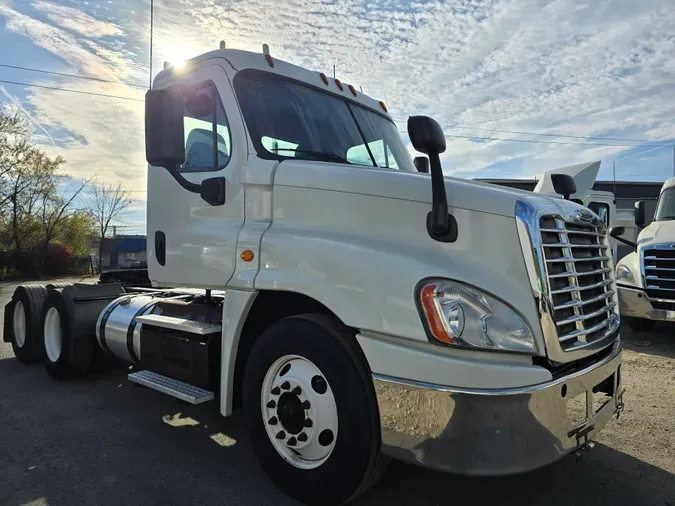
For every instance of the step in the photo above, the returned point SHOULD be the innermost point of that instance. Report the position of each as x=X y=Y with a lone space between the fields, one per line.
x=175 y=323
x=178 y=389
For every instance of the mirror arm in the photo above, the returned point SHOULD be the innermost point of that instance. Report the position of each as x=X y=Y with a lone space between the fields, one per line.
x=626 y=241
x=441 y=225
x=212 y=190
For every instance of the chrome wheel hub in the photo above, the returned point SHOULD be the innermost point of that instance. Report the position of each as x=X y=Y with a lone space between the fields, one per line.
x=299 y=412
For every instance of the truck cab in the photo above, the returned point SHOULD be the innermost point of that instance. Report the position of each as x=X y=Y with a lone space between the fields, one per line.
x=354 y=307
x=646 y=276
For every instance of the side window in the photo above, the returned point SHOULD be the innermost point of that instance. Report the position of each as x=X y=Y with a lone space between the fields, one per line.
x=381 y=153
x=602 y=210
x=207 y=133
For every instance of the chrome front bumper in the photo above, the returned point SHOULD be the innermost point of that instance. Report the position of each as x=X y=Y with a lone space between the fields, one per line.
x=634 y=302
x=494 y=432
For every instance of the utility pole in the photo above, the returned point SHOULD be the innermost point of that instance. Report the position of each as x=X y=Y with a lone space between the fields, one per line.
x=152 y=19
x=614 y=173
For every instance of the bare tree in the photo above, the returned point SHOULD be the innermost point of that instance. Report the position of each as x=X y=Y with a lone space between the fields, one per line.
x=107 y=203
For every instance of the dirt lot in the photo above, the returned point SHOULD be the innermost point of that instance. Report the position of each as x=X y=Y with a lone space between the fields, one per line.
x=99 y=440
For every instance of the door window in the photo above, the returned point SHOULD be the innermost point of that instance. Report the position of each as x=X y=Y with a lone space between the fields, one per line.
x=207 y=133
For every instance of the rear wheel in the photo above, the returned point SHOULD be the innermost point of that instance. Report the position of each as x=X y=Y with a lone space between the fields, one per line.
x=66 y=356
x=311 y=411
x=27 y=304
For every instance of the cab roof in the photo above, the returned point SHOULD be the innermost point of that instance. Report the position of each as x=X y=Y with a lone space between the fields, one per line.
x=241 y=60
x=670 y=182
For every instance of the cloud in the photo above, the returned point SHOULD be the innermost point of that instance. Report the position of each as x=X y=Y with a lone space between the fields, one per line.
x=77 y=21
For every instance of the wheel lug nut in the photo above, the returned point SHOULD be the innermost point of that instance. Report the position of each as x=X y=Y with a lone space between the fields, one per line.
x=297 y=390
x=271 y=405
x=281 y=435
x=273 y=421
x=308 y=422
x=302 y=437
x=285 y=385
x=306 y=405
x=276 y=391
x=292 y=442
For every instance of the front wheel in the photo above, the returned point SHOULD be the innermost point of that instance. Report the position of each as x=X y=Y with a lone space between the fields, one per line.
x=311 y=411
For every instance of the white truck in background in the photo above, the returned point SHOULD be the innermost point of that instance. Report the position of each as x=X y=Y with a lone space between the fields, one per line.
x=646 y=276
x=356 y=308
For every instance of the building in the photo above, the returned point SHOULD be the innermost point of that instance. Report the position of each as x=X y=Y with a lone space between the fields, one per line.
x=124 y=252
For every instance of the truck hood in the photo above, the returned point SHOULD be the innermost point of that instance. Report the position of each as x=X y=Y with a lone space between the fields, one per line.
x=657 y=232
x=413 y=186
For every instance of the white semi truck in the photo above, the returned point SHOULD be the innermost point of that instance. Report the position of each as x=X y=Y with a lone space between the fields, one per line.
x=646 y=276
x=357 y=309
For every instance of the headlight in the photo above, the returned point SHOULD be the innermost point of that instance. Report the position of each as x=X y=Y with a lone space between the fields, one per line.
x=460 y=315
x=623 y=273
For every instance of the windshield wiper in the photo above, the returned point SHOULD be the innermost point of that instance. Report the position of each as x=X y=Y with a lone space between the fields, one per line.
x=328 y=157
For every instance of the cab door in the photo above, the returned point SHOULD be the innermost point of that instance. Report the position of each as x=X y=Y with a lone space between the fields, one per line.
x=191 y=242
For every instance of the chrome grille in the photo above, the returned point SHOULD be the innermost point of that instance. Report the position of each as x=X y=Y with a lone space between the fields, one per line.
x=579 y=280
x=659 y=271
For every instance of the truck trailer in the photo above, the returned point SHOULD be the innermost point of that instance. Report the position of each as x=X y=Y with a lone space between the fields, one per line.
x=355 y=308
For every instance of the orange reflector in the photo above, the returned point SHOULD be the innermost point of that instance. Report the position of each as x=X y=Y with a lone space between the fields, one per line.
x=339 y=83
x=324 y=78
x=428 y=296
x=352 y=89
x=269 y=59
x=247 y=255
x=383 y=106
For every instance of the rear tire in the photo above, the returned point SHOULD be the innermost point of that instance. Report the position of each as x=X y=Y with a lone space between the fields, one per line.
x=65 y=356
x=335 y=456
x=27 y=305
x=641 y=324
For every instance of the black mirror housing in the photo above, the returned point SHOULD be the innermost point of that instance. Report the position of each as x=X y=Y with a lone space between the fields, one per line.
x=640 y=218
x=617 y=231
x=421 y=164
x=563 y=184
x=426 y=135
x=164 y=135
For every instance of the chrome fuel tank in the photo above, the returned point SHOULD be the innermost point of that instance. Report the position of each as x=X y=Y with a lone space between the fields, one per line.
x=117 y=332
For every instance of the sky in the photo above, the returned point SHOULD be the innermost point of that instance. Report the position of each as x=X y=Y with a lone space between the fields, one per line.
x=519 y=86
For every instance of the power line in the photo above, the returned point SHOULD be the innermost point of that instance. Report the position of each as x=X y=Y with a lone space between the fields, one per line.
x=71 y=91
x=64 y=74
x=645 y=141
x=532 y=141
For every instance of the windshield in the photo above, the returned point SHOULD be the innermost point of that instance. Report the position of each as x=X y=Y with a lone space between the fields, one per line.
x=665 y=209
x=290 y=120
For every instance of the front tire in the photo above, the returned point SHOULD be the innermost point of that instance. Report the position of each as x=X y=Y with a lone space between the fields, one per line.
x=312 y=412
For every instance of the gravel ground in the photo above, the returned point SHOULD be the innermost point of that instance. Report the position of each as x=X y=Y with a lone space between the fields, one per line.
x=99 y=440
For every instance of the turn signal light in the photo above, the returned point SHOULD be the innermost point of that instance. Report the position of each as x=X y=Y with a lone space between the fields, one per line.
x=247 y=255
x=429 y=300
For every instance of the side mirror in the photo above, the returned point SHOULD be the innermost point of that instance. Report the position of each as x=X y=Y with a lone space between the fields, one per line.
x=640 y=213
x=164 y=136
x=564 y=185
x=617 y=232
x=421 y=164
x=427 y=137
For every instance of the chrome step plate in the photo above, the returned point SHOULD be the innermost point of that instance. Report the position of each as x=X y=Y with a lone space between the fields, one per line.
x=181 y=324
x=178 y=389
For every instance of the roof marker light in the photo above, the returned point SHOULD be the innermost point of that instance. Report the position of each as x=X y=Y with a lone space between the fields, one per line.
x=324 y=78
x=222 y=44
x=339 y=84
x=266 y=52
x=352 y=89
x=383 y=106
